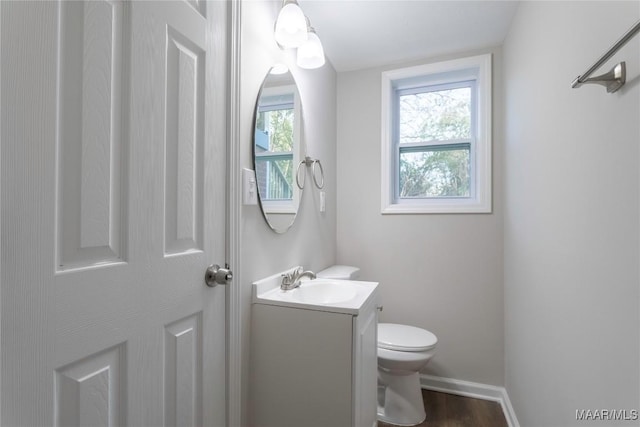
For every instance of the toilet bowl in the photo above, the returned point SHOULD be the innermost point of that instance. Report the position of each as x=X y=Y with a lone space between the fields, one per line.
x=402 y=352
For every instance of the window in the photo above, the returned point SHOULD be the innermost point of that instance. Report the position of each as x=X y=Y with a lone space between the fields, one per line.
x=436 y=138
x=276 y=131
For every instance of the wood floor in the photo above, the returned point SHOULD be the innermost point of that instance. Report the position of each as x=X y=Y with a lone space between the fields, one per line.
x=449 y=410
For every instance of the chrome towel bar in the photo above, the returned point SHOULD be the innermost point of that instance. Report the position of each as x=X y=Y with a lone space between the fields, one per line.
x=616 y=77
x=308 y=161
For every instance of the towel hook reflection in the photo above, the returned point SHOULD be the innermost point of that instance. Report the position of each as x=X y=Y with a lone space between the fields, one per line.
x=308 y=161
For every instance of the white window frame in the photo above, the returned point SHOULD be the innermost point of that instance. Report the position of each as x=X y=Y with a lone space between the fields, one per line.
x=476 y=68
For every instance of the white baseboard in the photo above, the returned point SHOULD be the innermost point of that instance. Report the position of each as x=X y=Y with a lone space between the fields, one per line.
x=475 y=390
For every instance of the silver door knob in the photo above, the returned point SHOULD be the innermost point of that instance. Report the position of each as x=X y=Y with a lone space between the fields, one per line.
x=217 y=275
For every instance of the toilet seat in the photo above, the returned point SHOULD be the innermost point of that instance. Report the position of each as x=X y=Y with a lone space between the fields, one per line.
x=396 y=337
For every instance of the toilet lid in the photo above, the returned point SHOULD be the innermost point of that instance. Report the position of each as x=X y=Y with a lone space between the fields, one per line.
x=392 y=336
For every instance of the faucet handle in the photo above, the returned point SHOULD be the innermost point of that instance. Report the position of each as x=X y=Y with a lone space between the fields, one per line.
x=289 y=278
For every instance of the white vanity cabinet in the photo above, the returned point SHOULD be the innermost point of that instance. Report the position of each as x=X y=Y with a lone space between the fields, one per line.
x=314 y=366
x=365 y=367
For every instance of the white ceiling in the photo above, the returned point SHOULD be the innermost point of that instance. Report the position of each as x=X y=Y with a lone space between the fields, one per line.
x=360 y=34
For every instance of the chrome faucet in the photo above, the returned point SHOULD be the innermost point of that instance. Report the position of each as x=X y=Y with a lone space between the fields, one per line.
x=292 y=280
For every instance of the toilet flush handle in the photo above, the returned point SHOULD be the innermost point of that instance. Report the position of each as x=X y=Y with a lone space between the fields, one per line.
x=380 y=307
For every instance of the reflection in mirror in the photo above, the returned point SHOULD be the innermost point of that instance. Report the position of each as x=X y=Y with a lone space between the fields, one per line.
x=276 y=149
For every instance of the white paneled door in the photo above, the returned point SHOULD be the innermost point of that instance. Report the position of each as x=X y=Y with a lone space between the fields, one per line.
x=112 y=175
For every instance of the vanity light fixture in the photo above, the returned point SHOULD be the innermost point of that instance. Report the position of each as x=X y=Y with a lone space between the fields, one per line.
x=311 y=53
x=293 y=30
x=291 y=25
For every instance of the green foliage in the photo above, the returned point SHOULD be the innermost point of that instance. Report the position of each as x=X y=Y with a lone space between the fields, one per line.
x=281 y=130
x=435 y=171
x=434 y=174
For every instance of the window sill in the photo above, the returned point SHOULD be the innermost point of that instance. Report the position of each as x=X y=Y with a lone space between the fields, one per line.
x=286 y=208
x=451 y=206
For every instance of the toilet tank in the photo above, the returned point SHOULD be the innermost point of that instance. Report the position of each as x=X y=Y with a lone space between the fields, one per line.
x=342 y=272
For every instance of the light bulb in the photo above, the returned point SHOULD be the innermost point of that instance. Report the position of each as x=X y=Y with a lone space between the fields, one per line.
x=311 y=54
x=291 y=25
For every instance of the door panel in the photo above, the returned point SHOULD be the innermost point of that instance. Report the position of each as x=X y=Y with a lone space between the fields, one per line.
x=91 y=141
x=112 y=150
x=183 y=372
x=92 y=391
x=184 y=134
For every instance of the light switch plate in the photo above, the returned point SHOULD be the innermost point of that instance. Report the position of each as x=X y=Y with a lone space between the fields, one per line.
x=249 y=187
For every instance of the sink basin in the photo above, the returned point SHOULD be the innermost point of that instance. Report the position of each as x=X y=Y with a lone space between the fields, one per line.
x=322 y=294
x=322 y=291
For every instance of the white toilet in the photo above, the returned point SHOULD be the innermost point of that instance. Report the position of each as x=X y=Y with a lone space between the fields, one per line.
x=402 y=352
x=339 y=272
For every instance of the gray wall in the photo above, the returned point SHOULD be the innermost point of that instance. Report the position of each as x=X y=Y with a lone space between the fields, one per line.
x=571 y=227
x=439 y=272
x=311 y=240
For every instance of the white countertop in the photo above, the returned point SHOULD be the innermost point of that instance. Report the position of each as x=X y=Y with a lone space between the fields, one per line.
x=267 y=291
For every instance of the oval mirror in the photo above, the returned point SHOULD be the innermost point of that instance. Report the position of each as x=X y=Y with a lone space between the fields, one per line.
x=277 y=146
